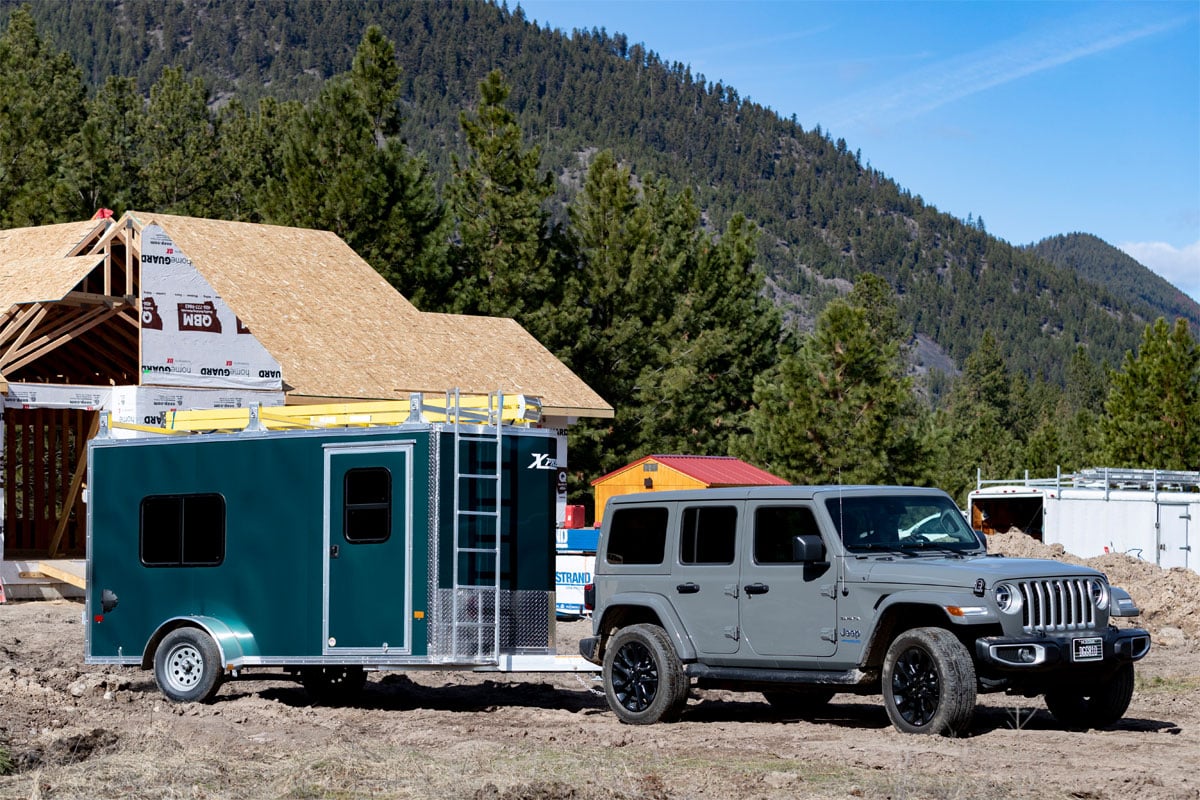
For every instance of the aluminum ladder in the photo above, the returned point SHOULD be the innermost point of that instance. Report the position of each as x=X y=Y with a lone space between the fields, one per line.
x=475 y=603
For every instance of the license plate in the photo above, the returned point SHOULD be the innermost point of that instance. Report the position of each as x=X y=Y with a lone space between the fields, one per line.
x=1091 y=649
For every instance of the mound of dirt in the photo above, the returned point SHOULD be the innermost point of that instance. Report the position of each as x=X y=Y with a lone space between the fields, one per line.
x=1169 y=598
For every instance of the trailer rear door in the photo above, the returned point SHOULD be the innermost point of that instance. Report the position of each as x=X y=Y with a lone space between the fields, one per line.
x=368 y=549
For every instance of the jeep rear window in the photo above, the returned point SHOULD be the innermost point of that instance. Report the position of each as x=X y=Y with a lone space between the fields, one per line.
x=637 y=536
x=708 y=535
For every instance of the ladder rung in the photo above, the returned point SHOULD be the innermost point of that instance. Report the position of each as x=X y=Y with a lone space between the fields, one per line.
x=476 y=477
x=488 y=550
x=466 y=513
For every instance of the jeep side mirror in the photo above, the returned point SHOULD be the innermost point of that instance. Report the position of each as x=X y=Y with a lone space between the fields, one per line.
x=807 y=548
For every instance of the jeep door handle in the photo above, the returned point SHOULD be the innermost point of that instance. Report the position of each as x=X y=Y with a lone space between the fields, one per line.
x=757 y=588
x=688 y=588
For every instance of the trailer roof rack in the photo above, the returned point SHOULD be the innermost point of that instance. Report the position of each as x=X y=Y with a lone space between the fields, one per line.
x=1109 y=478
x=519 y=410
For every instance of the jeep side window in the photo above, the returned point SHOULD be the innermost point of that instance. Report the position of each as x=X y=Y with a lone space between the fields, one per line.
x=776 y=527
x=637 y=536
x=708 y=535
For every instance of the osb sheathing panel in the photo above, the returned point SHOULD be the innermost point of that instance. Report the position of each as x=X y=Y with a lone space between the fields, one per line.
x=45 y=279
x=338 y=329
x=17 y=244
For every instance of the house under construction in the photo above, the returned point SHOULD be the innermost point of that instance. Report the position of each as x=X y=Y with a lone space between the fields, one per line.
x=151 y=313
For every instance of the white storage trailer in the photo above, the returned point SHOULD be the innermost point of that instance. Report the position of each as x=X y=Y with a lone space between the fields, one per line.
x=1144 y=513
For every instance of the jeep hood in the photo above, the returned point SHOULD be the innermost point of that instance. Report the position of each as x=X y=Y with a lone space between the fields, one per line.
x=924 y=571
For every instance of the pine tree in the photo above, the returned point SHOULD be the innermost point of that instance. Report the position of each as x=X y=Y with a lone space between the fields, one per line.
x=501 y=261
x=976 y=428
x=104 y=171
x=839 y=410
x=41 y=108
x=336 y=175
x=1152 y=415
x=178 y=167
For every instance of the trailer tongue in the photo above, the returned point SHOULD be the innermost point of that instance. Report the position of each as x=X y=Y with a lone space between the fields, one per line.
x=323 y=542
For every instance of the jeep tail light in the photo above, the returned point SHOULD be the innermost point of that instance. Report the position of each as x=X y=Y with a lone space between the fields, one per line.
x=589 y=596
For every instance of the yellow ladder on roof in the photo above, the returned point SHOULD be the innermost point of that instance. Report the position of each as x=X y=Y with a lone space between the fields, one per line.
x=516 y=410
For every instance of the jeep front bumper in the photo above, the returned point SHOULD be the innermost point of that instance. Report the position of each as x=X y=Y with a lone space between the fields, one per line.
x=1062 y=652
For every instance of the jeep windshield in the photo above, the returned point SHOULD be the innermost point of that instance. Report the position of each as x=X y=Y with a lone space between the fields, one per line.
x=901 y=524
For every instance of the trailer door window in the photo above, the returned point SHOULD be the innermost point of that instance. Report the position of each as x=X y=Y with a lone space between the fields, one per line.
x=183 y=530
x=367 y=500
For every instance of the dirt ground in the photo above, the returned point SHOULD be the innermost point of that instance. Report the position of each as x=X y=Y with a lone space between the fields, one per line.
x=72 y=731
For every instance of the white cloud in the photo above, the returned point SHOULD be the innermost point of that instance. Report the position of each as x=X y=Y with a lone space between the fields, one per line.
x=1179 y=265
x=918 y=92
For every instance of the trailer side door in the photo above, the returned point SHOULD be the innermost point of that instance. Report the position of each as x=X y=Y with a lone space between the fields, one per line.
x=368 y=592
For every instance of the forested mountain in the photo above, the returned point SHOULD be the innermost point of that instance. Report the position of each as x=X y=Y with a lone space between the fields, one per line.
x=825 y=217
x=729 y=281
x=1098 y=262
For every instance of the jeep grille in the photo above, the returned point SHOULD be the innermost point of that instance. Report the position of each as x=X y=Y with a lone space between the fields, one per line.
x=1057 y=604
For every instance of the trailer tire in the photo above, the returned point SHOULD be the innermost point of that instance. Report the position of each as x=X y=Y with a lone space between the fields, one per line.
x=1099 y=707
x=643 y=677
x=187 y=666
x=333 y=685
x=929 y=683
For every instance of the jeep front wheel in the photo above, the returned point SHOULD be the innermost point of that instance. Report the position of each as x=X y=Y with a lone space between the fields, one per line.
x=1099 y=707
x=643 y=678
x=929 y=683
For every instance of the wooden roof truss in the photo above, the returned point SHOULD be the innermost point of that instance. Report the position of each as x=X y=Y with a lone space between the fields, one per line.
x=90 y=335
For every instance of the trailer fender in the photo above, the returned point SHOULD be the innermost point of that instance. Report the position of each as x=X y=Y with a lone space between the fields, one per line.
x=632 y=605
x=235 y=643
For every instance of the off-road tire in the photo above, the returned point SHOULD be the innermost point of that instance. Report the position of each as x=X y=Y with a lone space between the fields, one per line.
x=799 y=702
x=929 y=683
x=333 y=685
x=187 y=666
x=1098 y=707
x=643 y=678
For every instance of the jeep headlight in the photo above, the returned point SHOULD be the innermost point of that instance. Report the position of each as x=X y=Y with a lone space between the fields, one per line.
x=1099 y=591
x=1008 y=598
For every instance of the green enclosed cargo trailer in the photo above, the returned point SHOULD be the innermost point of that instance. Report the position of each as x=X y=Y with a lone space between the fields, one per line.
x=322 y=554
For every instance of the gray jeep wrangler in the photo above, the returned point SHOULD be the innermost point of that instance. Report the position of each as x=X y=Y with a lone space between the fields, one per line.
x=803 y=592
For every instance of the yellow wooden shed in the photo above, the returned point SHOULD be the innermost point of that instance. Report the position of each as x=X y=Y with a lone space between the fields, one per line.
x=662 y=472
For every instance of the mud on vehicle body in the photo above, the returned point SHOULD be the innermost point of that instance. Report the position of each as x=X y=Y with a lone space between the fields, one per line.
x=804 y=592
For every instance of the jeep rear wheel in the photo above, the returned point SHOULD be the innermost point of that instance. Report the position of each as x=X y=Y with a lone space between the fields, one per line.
x=643 y=678
x=929 y=683
x=1099 y=707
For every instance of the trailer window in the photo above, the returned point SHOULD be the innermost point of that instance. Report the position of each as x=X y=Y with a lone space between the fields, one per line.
x=638 y=536
x=367 y=505
x=183 y=530
x=708 y=535
x=776 y=527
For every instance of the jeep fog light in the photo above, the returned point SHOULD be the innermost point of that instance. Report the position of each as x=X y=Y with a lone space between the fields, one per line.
x=1008 y=598
x=1100 y=594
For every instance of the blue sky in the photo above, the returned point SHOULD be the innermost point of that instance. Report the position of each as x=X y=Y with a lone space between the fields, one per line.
x=1040 y=117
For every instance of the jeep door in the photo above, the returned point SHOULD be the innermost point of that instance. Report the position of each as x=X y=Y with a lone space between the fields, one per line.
x=788 y=608
x=704 y=585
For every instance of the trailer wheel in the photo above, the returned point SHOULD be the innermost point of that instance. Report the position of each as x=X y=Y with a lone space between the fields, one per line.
x=333 y=685
x=643 y=678
x=187 y=666
x=1099 y=707
x=798 y=702
x=929 y=683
